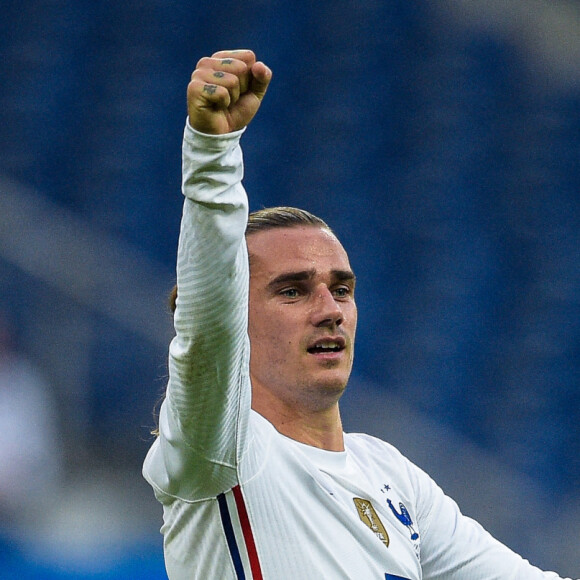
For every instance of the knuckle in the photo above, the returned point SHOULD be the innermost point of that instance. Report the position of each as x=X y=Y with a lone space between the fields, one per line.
x=196 y=74
x=203 y=62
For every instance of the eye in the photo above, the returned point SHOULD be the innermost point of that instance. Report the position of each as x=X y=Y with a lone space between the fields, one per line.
x=342 y=291
x=290 y=293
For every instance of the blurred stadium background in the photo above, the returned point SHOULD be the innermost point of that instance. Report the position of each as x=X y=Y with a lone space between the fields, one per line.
x=442 y=142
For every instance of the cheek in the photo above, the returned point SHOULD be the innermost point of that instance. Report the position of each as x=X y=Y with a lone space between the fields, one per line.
x=264 y=340
x=271 y=346
x=350 y=318
x=269 y=358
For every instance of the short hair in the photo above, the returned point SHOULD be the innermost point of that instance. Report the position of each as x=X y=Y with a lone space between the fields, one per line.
x=282 y=217
x=270 y=218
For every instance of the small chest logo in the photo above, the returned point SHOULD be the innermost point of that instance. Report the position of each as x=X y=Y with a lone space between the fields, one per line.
x=404 y=517
x=369 y=517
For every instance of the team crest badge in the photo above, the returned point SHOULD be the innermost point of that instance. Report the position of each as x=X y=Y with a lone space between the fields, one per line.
x=370 y=518
x=404 y=517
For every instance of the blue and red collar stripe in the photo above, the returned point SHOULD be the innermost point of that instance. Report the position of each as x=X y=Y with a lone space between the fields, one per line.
x=239 y=535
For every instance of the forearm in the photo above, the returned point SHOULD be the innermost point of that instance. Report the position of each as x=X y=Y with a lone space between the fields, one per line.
x=455 y=547
x=212 y=280
x=212 y=267
x=203 y=418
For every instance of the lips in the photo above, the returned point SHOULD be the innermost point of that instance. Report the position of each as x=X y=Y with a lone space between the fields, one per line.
x=327 y=345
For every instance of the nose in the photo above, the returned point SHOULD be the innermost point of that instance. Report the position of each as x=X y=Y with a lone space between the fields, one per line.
x=326 y=310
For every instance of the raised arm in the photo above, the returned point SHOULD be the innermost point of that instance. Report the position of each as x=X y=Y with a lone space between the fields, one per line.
x=202 y=423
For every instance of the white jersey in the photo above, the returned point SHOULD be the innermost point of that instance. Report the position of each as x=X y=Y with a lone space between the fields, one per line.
x=242 y=501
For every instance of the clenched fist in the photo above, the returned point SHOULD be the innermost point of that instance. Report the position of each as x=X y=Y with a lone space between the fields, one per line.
x=226 y=91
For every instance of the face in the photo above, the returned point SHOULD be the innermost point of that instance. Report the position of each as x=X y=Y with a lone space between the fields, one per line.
x=302 y=317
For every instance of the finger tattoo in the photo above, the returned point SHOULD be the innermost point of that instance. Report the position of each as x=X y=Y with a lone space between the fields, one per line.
x=219 y=74
x=227 y=60
x=209 y=89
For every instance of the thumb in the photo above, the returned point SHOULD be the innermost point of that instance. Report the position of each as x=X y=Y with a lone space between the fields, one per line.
x=244 y=110
x=260 y=79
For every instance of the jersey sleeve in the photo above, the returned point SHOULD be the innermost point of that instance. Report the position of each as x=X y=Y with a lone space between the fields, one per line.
x=456 y=547
x=204 y=416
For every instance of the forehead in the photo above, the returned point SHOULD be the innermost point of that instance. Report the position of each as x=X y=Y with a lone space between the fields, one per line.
x=295 y=248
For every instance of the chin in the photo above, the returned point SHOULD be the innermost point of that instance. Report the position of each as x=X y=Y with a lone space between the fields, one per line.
x=332 y=386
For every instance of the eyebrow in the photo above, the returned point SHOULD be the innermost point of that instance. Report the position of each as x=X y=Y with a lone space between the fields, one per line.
x=301 y=276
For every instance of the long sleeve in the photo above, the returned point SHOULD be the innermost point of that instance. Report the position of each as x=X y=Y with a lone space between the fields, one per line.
x=454 y=546
x=203 y=419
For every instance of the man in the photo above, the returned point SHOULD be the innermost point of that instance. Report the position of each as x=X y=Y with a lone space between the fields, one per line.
x=255 y=474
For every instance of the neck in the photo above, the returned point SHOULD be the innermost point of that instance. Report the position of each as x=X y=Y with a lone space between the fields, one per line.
x=320 y=428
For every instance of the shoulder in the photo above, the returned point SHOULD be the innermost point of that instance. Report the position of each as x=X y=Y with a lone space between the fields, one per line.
x=371 y=450
x=361 y=443
x=385 y=457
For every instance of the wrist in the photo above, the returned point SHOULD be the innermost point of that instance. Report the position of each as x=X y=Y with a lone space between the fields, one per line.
x=210 y=141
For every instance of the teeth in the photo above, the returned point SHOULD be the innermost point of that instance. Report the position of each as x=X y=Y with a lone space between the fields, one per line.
x=330 y=346
x=327 y=346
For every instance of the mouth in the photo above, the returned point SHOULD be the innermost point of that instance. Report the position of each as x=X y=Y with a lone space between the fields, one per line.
x=330 y=345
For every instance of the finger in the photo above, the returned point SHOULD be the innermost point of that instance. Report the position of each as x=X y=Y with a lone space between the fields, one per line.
x=244 y=55
x=229 y=57
x=229 y=64
x=229 y=81
x=202 y=95
x=260 y=79
x=249 y=102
